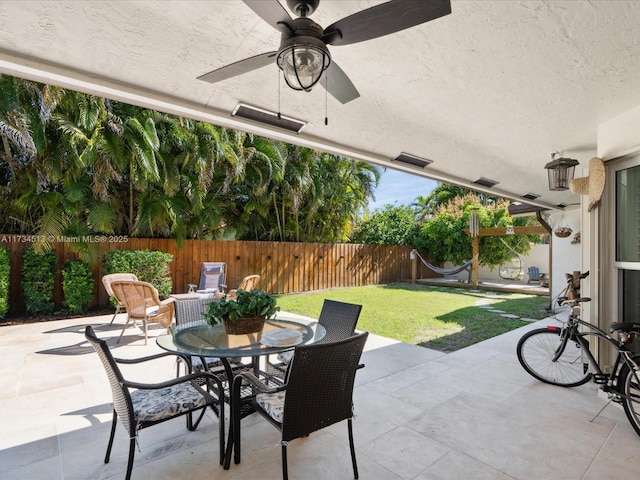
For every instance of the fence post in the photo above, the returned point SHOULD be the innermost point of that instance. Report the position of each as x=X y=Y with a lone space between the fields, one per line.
x=414 y=266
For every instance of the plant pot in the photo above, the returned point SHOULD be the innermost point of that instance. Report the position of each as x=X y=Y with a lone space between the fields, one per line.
x=243 y=325
x=563 y=232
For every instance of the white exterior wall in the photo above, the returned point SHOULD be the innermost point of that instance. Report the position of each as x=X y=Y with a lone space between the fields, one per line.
x=620 y=136
x=566 y=256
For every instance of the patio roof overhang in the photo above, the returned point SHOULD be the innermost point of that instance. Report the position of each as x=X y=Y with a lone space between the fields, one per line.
x=487 y=92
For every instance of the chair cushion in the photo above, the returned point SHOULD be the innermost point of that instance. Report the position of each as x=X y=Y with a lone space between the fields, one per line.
x=153 y=405
x=273 y=404
x=285 y=357
x=143 y=311
x=196 y=362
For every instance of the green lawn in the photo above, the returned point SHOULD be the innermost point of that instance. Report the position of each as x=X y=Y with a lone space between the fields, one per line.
x=441 y=318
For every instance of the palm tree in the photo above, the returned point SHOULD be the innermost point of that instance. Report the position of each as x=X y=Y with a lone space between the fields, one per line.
x=73 y=163
x=343 y=188
x=133 y=148
x=25 y=109
x=243 y=178
x=444 y=193
x=181 y=203
x=293 y=184
x=25 y=112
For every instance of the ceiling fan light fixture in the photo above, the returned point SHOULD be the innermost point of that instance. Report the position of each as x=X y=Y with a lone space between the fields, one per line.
x=303 y=61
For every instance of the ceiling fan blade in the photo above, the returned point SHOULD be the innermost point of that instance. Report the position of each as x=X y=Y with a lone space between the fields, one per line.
x=238 y=68
x=339 y=85
x=273 y=13
x=384 y=19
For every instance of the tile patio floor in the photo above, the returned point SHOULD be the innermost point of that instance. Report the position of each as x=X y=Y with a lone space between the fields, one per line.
x=421 y=414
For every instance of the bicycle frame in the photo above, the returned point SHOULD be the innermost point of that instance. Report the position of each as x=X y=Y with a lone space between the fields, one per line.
x=571 y=331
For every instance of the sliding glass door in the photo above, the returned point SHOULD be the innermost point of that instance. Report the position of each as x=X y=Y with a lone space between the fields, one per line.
x=627 y=241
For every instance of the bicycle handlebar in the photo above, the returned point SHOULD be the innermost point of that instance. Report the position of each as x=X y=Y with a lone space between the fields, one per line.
x=581 y=276
x=575 y=301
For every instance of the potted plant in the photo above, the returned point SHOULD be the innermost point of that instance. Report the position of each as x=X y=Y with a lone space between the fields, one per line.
x=246 y=313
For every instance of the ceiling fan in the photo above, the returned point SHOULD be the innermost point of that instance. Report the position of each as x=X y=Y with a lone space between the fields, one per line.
x=303 y=55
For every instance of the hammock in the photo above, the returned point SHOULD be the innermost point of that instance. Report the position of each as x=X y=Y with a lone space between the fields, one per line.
x=442 y=270
x=511 y=268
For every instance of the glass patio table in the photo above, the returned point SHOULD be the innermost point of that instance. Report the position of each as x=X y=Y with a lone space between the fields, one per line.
x=206 y=341
x=212 y=341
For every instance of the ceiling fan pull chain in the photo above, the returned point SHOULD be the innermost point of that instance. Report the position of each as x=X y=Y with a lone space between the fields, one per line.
x=326 y=102
x=279 y=116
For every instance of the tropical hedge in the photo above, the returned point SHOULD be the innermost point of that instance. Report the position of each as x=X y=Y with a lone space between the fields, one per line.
x=38 y=278
x=148 y=265
x=77 y=285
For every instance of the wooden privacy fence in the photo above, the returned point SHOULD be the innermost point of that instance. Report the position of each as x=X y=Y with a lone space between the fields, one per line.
x=284 y=267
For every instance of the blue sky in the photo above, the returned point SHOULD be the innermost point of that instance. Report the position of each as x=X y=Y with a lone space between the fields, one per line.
x=399 y=188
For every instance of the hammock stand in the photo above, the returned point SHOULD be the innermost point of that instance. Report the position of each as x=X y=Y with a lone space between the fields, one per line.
x=442 y=271
x=544 y=229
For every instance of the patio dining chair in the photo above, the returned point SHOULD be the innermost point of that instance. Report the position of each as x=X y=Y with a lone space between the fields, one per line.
x=142 y=302
x=189 y=313
x=339 y=320
x=318 y=393
x=116 y=277
x=142 y=405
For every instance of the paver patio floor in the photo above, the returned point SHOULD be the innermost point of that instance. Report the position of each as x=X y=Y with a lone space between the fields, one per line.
x=420 y=414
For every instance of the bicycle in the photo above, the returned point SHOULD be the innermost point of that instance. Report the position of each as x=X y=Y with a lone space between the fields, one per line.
x=560 y=355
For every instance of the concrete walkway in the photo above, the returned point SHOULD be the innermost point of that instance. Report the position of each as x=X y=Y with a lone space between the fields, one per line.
x=420 y=414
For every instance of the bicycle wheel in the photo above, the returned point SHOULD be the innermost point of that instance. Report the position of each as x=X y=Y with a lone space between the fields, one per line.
x=536 y=350
x=630 y=390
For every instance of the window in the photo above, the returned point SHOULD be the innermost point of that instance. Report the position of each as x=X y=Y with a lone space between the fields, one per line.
x=630 y=300
x=627 y=245
x=628 y=215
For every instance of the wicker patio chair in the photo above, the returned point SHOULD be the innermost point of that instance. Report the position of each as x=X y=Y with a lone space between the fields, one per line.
x=318 y=393
x=142 y=302
x=116 y=277
x=338 y=318
x=189 y=313
x=142 y=405
x=250 y=282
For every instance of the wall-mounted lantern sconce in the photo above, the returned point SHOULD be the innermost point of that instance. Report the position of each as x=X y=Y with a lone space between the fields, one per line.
x=560 y=171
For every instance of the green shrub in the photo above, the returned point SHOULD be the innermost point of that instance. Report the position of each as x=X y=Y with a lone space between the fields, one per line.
x=77 y=285
x=148 y=265
x=5 y=267
x=38 y=275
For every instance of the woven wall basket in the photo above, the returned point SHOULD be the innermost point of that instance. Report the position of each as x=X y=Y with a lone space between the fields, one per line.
x=243 y=325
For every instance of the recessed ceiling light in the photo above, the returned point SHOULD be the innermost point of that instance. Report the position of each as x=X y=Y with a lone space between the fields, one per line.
x=485 y=182
x=530 y=196
x=412 y=160
x=270 y=118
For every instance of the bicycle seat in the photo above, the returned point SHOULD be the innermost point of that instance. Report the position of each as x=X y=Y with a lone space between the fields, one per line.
x=625 y=327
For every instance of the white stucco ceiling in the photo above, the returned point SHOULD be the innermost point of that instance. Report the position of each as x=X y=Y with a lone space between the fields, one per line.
x=488 y=91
